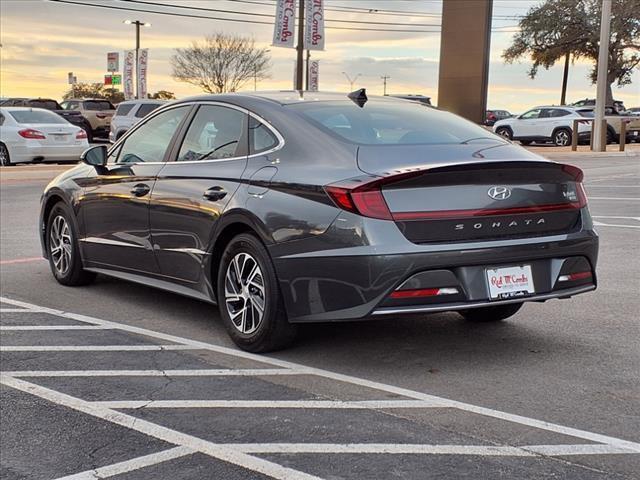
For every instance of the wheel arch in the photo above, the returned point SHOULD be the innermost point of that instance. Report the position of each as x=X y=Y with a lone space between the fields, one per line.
x=52 y=198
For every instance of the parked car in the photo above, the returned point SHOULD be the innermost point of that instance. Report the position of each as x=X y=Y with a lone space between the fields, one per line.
x=493 y=116
x=635 y=111
x=37 y=135
x=544 y=124
x=129 y=113
x=97 y=111
x=618 y=105
x=72 y=116
x=290 y=207
x=416 y=98
x=614 y=124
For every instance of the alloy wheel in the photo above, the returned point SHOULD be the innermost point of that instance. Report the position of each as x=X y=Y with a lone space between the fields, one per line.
x=562 y=138
x=245 y=297
x=504 y=132
x=4 y=156
x=60 y=247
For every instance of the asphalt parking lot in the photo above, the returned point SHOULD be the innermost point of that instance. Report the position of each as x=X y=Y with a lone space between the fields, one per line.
x=120 y=381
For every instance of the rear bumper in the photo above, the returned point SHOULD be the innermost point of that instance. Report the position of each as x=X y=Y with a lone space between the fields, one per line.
x=355 y=282
x=30 y=153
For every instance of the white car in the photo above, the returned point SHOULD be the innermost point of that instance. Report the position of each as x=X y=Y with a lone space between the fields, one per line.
x=36 y=135
x=545 y=124
x=130 y=112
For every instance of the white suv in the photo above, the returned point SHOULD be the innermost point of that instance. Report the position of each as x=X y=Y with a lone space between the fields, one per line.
x=544 y=124
x=129 y=113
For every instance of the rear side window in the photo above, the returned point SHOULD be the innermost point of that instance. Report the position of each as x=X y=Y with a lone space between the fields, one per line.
x=382 y=122
x=123 y=109
x=261 y=138
x=149 y=142
x=215 y=133
x=145 y=109
x=97 y=105
x=36 y=116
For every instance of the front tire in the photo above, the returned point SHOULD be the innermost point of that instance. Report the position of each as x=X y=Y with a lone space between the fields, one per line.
x=562 y=137
x=63 y=250
x=505 y=132
x=5 y=158
x=495 y=313
x=249 y=297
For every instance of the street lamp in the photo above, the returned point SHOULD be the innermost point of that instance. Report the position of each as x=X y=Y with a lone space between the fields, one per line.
x=352 y=81
x=138 y=24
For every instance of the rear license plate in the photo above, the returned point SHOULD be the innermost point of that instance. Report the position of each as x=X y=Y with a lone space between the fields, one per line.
x=59 y=137
x=510 y=282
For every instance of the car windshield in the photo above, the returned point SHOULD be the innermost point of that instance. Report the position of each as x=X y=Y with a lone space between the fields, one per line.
x=48 y=104
x=98 y=105
x=382 y=122
x=36 y=116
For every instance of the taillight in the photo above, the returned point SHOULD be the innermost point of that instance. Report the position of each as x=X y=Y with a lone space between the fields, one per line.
x=81 y=135
x=572 y=277
x=423 y=292
x=32 y=134
x=364 y=196
x=101 y=115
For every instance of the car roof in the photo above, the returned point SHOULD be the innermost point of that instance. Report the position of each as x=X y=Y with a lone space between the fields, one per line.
x=23 y=109
x=143 y=100
x=287 y=97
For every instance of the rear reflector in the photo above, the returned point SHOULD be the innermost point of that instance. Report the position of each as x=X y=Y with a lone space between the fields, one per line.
x=574 y=276
x=32 y=134
x=423 y=292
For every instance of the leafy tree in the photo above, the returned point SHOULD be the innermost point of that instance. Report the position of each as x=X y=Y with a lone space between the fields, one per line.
x=222 y=63
x=93 y=90
x=163 y=95
x=557 y=28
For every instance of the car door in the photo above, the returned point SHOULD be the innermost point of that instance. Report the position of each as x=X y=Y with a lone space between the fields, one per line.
x=115 y=203
x=193 y=189
x=526 y=124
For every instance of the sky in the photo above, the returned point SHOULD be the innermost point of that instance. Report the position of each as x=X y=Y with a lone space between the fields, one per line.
x=43 y=40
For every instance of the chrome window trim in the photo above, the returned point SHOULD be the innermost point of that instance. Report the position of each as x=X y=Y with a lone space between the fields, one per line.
x=280 y=138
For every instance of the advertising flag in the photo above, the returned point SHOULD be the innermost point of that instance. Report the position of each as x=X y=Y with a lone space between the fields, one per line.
x=284 y=28
x=113 y=62
x=127 y=74
x=143 y=63
x=314 y=25
x=314 y=75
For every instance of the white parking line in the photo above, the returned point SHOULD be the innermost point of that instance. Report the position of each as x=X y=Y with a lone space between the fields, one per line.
x=311 y=404
x=25 y=328
x=92 y=348
x=131 y=465
x=194 y=344
x=20 y=310
x=616 y=216
x=602 y=224
x=633 y=199
x=247 y=372
x=158 y=431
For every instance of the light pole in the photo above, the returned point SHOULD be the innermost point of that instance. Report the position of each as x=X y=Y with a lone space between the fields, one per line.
x=599 y=128
x=351 y=80
x=384 y=80
x=138 y=24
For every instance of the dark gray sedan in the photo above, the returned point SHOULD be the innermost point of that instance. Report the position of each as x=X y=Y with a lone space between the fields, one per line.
x=292 y=207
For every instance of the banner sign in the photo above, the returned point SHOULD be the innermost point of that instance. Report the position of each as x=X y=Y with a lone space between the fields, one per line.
x=314 y=75
x=113 y=62
x=127 y=74
x=284 y=28
x=314 y=25
x=71 y=78
x=143 y=63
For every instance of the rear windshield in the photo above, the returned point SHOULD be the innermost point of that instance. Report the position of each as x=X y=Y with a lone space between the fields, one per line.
x=123 y=109
x=36 y=116
x=48 y=104
x=146 y=108
x=382 y=122
x=98 y=105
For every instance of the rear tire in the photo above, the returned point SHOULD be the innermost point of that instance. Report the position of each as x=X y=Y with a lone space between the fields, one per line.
x=496 y=313
x=562 y=137
x=63 y=249
x=525 y=142
x=5 y=159
x=505 y=132
x=249 y=297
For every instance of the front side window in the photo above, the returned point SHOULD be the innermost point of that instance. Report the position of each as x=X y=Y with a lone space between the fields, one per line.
x=531 y=114
x=70 y=105
x=215 y=133
x=149 y=142
x=261 y=138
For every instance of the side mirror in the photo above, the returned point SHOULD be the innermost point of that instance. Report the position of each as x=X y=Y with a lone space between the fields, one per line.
x=96 y=156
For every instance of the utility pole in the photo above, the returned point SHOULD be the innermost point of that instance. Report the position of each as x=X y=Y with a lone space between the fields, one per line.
x=384 y=80
x=599 y=129
x=351 y=81
x=300 y=48
x=306 y=82
x=565 y=78
x=138 y=24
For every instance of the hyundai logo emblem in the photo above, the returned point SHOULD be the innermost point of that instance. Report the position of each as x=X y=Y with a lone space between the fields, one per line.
x=499 y=193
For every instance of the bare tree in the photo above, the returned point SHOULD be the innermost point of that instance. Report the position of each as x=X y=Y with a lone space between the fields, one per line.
x=222 y=63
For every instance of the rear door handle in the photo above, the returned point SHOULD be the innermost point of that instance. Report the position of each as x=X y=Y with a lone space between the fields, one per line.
x=140 y=190
x=214 y=194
